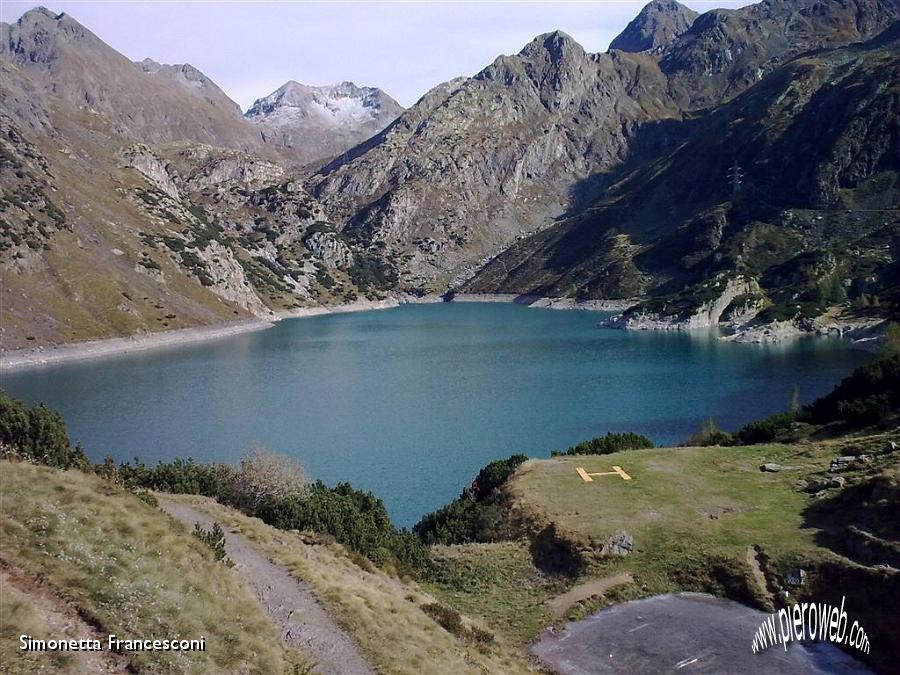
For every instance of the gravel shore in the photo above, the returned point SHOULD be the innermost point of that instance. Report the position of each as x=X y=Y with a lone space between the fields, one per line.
x=549 y=303
x=77 y=351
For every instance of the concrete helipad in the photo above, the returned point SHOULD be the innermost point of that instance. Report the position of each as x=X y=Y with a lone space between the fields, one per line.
x=680 y=633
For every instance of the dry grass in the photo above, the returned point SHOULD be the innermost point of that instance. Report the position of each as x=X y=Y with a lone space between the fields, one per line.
x=499 y=584
x=383 y=614
x=123 y=567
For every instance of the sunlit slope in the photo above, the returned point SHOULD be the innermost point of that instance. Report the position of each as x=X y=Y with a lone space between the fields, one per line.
x=82 y=558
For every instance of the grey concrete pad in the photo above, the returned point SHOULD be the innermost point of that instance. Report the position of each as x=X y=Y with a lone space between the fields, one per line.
x=681 y=633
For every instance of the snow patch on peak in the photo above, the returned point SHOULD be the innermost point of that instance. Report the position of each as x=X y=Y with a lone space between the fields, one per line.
x=321 y=122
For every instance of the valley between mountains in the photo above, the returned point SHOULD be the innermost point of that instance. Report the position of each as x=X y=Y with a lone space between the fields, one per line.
x=736 y=168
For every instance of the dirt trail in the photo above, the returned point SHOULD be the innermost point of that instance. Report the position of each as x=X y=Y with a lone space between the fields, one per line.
x=589 y=589
x=759 y=577
x=290 y=603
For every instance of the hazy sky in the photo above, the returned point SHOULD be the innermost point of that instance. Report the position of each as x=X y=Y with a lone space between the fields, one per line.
x=251 y=48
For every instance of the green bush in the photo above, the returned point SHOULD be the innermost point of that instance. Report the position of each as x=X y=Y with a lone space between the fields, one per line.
x=357 y=519
x=868 y=396
x=466 y=518
x=458 y=522
x=495 y=474
x=38 y=434
x=605 y=445
x=767 y=430
x=214 y=538
x=182 y=476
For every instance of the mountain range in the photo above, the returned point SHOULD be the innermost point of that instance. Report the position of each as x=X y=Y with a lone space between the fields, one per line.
x=734 y=166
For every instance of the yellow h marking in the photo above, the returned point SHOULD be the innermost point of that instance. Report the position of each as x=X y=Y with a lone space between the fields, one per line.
x=587 y=477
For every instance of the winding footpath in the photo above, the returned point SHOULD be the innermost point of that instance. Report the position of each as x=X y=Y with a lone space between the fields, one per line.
x=290 y=603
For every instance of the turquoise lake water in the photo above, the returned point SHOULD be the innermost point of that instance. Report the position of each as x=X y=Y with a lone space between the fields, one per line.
x=411 y=402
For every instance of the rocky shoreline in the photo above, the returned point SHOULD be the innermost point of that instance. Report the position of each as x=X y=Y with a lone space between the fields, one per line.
x=78 y=351
x=541 y=302
x=863 y=333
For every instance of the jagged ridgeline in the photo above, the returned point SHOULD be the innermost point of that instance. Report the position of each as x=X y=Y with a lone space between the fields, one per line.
x=736 y=165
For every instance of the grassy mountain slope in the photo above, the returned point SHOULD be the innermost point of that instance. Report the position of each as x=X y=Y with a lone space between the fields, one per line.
x=80 y=554
x=384 y=614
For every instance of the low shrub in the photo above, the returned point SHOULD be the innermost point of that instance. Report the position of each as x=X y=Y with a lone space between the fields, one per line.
x=215 y=539
x=181 y=476
x=708 y=434
x=767 y=430
x=451 y=621
x=37 y=434
x=605 y=445
x=465 y=519
x=263 y=477
x=357 y=519
x=867 y=396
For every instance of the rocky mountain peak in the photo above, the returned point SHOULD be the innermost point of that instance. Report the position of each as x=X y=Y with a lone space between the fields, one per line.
x=37 y=34
x=338 y=102
x=55 y=55
x=556 y=45
x=311 y=123
x=656 y=26
x=725 y=51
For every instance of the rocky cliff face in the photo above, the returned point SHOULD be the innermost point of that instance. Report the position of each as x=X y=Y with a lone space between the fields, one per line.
x=813 y=217
x=480 y=161
x=319 y=123
x=718 y=295
x=656 y=27
x=725 y=51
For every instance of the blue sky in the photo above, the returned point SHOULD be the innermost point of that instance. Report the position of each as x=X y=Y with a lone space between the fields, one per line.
x=404 y=47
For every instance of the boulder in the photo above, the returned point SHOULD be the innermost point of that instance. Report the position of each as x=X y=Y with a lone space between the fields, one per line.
x=816 y=485
x=620 y=544
x=841 y=463
x=795 y=577
x=771 y=467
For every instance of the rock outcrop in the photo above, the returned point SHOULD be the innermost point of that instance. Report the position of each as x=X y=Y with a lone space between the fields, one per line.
x=705 y=314
x=656 y=27
x=140 y=157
